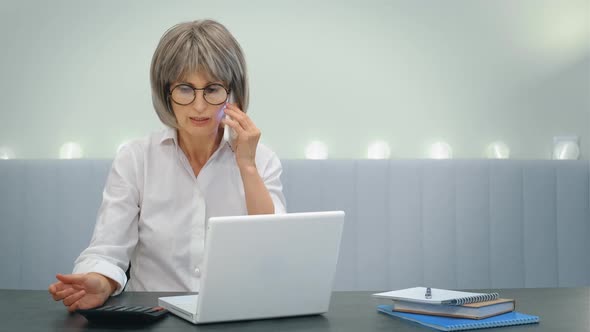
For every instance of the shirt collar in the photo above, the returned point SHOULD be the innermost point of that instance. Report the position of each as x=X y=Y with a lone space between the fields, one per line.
x=169 y=134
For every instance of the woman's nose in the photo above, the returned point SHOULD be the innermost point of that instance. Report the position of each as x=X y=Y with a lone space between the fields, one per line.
x=200 y=104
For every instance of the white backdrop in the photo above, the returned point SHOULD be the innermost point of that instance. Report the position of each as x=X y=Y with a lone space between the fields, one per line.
x=343 y=72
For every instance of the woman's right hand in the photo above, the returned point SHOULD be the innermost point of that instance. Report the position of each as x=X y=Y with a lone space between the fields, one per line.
x=82 y=291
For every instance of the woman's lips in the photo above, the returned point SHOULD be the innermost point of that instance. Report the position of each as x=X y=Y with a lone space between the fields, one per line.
x=199 y=121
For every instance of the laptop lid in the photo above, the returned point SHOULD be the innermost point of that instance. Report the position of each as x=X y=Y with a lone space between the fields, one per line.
x=265 y=266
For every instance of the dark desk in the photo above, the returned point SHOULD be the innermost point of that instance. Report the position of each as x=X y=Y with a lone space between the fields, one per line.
x=560 y=309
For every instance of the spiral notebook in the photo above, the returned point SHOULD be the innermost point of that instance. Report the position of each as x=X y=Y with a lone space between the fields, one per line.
x=459 y=324
x=438 y=296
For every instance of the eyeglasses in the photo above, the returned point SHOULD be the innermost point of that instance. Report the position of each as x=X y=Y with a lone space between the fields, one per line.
x=184 y=94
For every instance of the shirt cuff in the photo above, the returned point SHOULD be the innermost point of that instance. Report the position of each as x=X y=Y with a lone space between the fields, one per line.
x=106 y=269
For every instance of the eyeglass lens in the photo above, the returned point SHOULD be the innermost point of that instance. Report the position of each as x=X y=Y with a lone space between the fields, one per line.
x=214 y=94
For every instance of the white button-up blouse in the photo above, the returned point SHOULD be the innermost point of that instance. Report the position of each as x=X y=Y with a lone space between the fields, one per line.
x=154 y=211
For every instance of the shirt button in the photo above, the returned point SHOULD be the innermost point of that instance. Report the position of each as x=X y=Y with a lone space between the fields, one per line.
x=198 y=272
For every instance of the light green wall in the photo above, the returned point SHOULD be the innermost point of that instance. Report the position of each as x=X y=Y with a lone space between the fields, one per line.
x=407 y=72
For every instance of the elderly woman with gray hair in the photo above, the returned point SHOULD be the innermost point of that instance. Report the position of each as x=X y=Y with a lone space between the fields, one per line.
x=161 y=189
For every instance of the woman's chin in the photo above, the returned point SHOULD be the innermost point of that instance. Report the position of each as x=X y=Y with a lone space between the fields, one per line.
x=200 y=131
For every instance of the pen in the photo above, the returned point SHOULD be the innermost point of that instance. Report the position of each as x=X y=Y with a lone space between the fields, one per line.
x=428 y=294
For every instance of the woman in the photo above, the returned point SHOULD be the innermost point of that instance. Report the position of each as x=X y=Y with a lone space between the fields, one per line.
x=163 y=188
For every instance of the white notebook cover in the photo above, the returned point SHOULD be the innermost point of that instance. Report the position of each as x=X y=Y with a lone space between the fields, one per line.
x=438 y=296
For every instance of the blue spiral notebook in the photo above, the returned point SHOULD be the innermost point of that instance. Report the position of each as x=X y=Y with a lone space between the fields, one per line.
x=459 y=324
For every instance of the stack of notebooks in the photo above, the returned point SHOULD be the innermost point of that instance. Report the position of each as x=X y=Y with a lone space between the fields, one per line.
x=449 y=310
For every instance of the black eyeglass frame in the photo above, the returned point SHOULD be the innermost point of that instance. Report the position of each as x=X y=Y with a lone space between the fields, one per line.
x=227 y=91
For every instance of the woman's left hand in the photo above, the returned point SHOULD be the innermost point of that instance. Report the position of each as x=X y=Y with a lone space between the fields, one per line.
x=248 y=136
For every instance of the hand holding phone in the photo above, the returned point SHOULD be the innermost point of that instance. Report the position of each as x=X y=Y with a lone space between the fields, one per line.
x=228 y=132
x=242 y=134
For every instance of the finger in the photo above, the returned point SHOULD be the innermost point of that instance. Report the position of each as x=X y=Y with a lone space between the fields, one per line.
x=56 y=287
x=234 y=106
x=52 y=289
x=234 y=111
x=71 y=278
x=74 y=306
x=63 y=294
x=240 y=117
x=78 y=287
x=68 y=301
x=234 y=125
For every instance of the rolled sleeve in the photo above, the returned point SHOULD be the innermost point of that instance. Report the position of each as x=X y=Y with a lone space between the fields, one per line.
x=104 y=267
x=116 y=232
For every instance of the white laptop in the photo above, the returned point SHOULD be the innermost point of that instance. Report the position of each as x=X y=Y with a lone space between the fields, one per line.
x=264 y=266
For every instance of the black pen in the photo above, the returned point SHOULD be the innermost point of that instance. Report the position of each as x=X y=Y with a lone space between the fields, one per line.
x=428 y=294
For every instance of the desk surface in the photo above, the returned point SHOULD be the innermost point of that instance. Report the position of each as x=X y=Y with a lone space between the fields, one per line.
x=560 y=309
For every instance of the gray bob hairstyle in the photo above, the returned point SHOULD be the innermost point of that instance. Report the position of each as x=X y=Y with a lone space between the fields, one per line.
x=202 y=45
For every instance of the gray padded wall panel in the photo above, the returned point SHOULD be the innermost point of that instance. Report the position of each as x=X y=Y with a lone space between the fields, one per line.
x=405 y=211
x=309 y=182
x=449 y=223
x=12 y=191
x=438 y=224
x=539 y=227
x=472 y=213
x=465 y=217
x=506 y=227
x=573 y=221
x=47 y=213
x=41 y=220
x=339 y=177
x=327 y=185
x=372 y=241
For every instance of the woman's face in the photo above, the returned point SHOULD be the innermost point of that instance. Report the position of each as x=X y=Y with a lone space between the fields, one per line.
x=199 y=118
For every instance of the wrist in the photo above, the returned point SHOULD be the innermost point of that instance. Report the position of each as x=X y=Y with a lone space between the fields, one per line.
x=248 y=168
x=113 y=285
x=107 y=284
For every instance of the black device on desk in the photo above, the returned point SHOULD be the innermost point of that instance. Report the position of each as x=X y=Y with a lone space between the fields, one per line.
x=123 y=314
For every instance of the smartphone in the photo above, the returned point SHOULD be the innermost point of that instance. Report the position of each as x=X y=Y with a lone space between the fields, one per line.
x=229 y=133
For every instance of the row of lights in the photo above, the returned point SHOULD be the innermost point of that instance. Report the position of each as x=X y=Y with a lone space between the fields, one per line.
x=69 y=150
x=563 y=149
x=381 y=150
